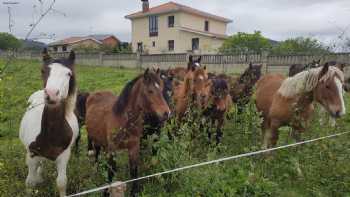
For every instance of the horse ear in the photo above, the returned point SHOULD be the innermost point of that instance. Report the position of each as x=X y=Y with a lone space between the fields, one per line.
x=45 y=56
x=324 y=70
x=199 y=59
x=250 y=65
x=146 y=72
x=158 y=71
x=319 y=61
x=71 y=57
x=205 y=68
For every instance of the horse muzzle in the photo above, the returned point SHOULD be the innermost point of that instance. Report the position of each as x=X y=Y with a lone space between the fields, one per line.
x=165 y=116
x=51 y=96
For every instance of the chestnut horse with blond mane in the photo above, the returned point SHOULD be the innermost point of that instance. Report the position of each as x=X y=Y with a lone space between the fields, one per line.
x=290 y=101
x=194 y=88
x=116 y=123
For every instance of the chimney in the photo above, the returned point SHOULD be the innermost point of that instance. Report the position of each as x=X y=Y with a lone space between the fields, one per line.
x=145 y=5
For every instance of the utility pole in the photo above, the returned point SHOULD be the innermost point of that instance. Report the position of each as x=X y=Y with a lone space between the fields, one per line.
x=9 y=4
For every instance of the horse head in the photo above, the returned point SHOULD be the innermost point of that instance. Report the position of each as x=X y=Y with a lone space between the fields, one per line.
x=58 y=78
x=152 y=91
x=220 y=94
x=329 y=90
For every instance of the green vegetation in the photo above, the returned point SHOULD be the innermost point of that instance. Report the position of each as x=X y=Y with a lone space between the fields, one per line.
x=300 y=45
x=257 y=43
x=317 y=169
x=245 y=42
x=8 y=42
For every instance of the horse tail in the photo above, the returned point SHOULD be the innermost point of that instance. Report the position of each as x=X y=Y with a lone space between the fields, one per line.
x=80 y=111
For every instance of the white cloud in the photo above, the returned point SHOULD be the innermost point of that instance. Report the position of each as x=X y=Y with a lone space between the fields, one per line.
x=277 y=19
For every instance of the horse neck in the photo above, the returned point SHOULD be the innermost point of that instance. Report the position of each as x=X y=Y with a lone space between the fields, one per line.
x=304 y=100
x=134 y=109
x=57 y=115
x=188 y=85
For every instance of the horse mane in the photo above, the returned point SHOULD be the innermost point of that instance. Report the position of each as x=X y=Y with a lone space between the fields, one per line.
x=249 y=75
x=123 y=98
x=219 y=85
x=307 y=80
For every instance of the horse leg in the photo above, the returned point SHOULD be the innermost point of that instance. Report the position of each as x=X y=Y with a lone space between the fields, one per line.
x=97 y=152
x=90 y=147
x=134 y=153
x=61 y=163
x=34 y=171
x=111 y=170
x=112 y=167
x=264 y=127
x=219 y=130
x=271 y=135
x=77 y=142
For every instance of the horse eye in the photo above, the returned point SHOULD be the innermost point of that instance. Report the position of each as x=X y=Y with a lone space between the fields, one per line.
x=69 y=74
x=327 y=86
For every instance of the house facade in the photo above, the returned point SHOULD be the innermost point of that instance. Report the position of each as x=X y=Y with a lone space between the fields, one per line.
x=175 y=28
x=90 y=42
x=106 y=39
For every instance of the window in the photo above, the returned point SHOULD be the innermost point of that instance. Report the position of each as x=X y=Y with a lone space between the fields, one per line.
x=206 y=26
x=171 y=21
x=153 y=26
x=154 y=44
x=140 y=47
x=195 y=44
x=55 y=49
x=171 y=45
x=64 y=48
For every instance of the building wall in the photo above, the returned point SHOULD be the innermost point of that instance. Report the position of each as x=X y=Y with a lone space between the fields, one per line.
x=70 y=47
x=198 y=23
x=183 y=40
x=85 y=44
x=140 y=33
x=111 y=42
x=207 y=45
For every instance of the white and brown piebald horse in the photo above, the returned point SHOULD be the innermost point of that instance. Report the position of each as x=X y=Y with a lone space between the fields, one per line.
x=49 y=126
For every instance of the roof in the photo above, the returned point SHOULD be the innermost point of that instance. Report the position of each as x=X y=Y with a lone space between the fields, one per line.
x=204 y=33
x=73 y=40
x=175 y=7
x=102 y=37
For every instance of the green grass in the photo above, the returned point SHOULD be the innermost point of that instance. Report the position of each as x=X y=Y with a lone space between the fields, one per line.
x=317 y=169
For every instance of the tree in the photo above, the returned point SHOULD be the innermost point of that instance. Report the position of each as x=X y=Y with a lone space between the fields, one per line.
x=245 y=42
x=123 y=47
x=300 y=45
x=9 y=42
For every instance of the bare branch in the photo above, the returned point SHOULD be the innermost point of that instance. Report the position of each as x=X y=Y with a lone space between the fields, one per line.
x=33 y=26
x=42 y=16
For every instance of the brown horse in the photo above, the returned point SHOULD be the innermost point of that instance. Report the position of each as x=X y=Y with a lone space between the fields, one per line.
x=220 y=102
x=241 y=88
x=195 y=88
x=290 y=101
x=297 y=68
x=116 y=123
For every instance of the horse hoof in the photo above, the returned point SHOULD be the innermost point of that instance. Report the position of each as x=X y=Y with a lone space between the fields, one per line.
x=33 y=182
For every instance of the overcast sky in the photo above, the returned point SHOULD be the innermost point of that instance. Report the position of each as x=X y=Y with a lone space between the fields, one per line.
x=277 y=19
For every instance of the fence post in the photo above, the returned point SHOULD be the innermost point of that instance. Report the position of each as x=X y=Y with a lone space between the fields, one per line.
x=138 y=61
x=100 y=58
x=264 y=58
